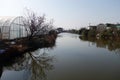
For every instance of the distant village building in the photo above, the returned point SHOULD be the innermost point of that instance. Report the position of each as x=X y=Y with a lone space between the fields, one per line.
x=92 y=27
x=110 y=26
x=101 y=27
x=118 y=26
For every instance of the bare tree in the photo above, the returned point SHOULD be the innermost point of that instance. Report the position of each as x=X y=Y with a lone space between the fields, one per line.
x=36 y=25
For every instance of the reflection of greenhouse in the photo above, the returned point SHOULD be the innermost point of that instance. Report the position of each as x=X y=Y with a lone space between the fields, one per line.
x=12 y=27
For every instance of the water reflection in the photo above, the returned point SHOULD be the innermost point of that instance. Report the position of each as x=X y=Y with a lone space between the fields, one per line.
x=33 y=67
x=39 y=66
x=110 y=44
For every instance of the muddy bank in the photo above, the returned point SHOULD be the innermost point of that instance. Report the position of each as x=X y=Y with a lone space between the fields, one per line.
x=11 y=49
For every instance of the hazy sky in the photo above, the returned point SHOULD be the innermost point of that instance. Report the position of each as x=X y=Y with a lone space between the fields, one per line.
x=67 y=13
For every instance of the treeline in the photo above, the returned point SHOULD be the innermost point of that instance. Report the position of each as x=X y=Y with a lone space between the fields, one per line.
x=106 y=31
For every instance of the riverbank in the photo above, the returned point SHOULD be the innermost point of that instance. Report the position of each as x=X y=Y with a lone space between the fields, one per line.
x=21 y=46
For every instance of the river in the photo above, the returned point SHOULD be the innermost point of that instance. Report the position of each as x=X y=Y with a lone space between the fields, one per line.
x=71 y=59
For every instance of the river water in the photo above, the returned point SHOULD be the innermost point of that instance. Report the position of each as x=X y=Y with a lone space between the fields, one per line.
x=72 y=58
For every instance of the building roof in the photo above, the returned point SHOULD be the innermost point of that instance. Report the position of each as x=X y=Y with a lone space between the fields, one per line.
x=6 y=20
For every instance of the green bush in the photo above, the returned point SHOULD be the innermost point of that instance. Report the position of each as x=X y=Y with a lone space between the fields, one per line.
x=92 y=33
x=85 y=32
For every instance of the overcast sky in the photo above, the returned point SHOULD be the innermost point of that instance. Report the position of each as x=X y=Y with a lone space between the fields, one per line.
x=67 y=13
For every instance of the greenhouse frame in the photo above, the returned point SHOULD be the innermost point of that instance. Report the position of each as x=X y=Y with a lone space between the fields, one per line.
x=12 y=27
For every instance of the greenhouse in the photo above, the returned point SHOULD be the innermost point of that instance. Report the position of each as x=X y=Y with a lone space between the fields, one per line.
x=12 y=27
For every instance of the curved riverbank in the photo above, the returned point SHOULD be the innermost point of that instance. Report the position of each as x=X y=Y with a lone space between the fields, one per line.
x=22 y=46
